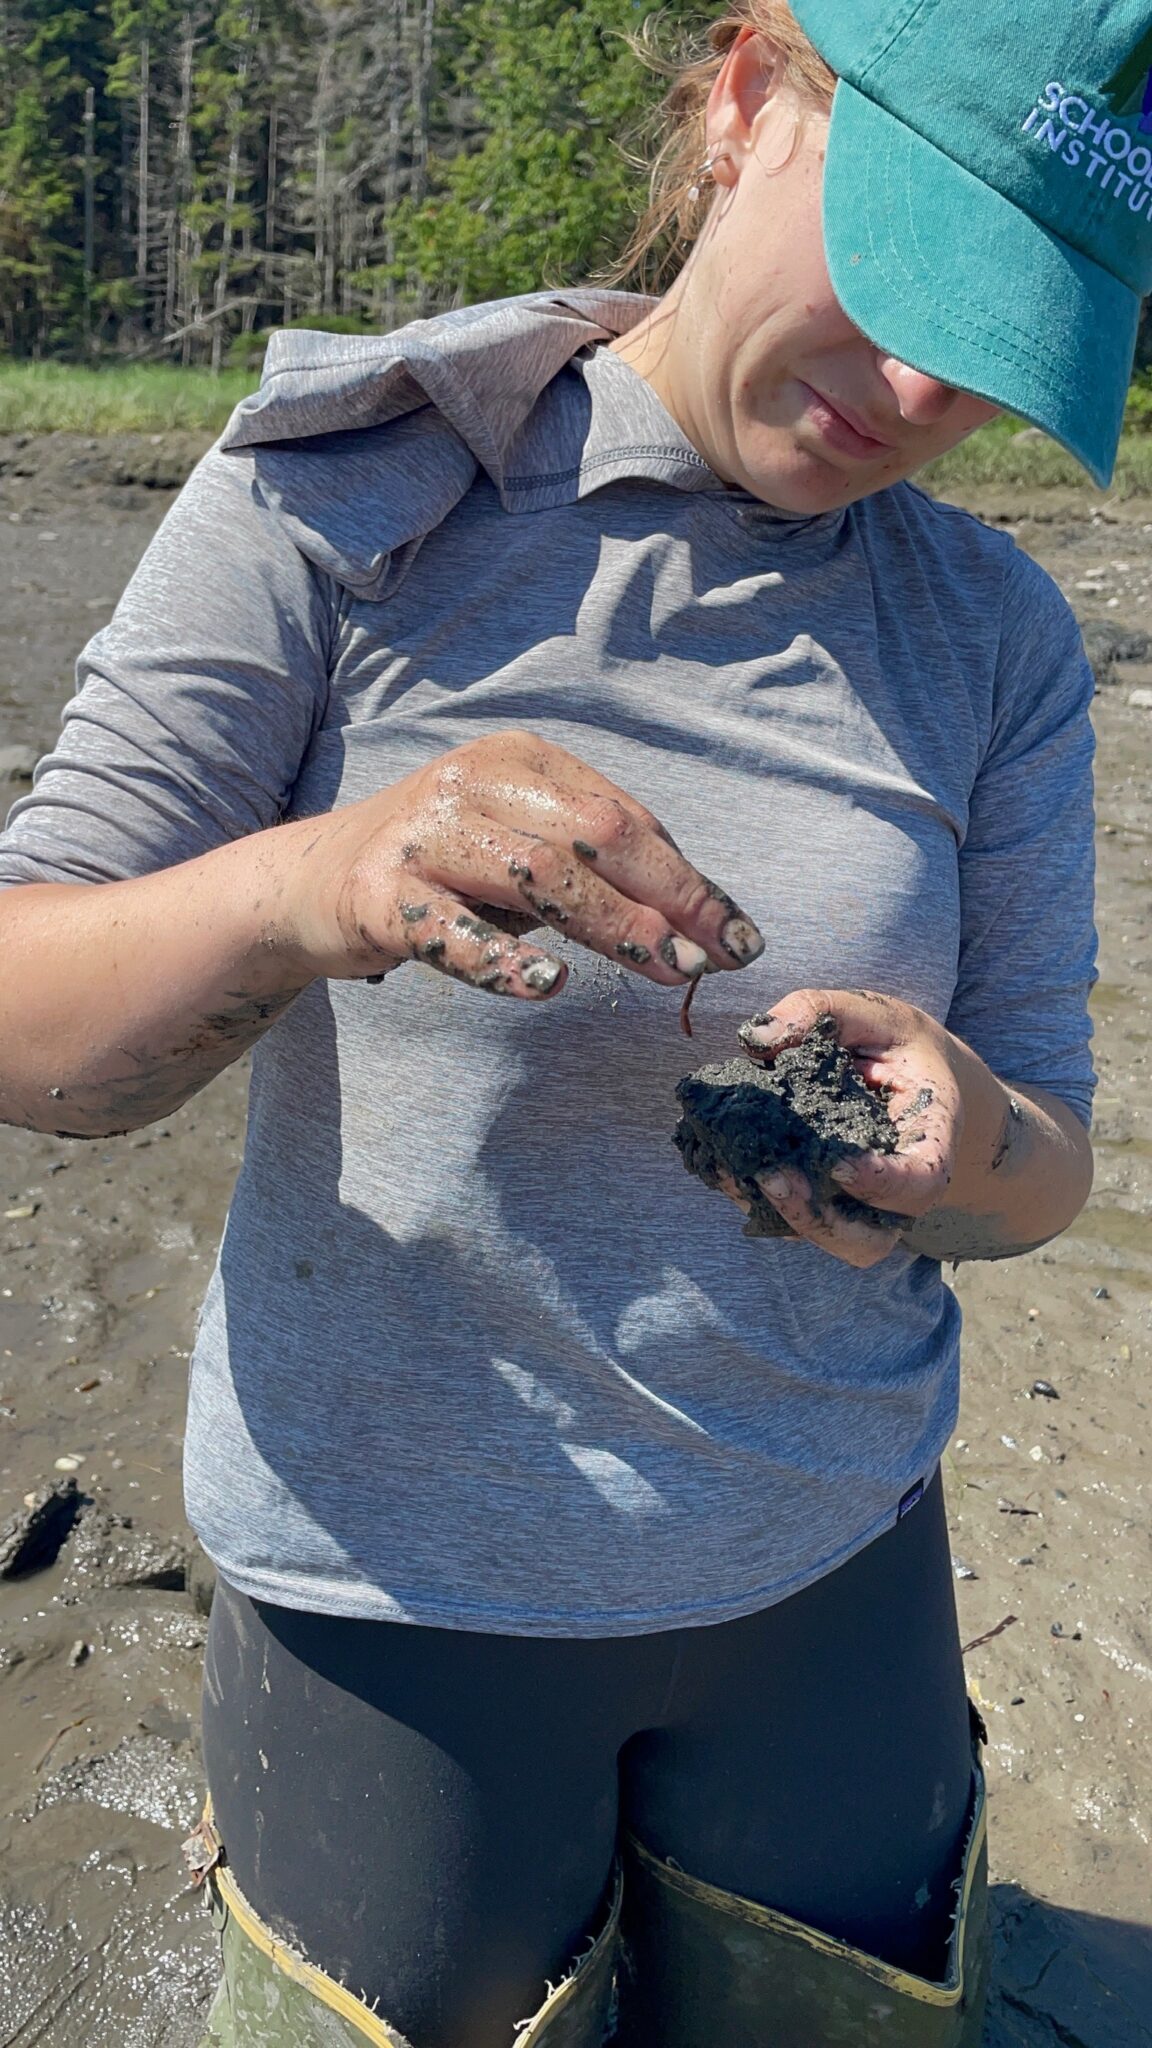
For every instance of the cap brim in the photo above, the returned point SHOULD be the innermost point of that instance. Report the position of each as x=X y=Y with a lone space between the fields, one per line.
x=938 y=269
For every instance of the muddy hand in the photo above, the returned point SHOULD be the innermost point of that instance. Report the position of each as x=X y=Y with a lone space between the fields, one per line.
x=897 y=1048
x=515 y=827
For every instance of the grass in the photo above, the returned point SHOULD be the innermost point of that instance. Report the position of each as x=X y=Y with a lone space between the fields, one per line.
x=1001 y=454
x=153 y=398
x=144 y=398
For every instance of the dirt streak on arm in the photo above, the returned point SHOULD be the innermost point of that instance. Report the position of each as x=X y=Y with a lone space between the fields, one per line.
x=1038 y=1177
x=120 y=1000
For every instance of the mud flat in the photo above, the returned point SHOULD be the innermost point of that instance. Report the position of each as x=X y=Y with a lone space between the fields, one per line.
x=105 y=1249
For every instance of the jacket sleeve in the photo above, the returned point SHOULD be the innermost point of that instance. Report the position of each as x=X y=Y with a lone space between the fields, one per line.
x=1027 y=938
x=195 y=705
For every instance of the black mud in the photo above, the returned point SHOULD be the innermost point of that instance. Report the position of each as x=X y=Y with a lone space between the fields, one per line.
x=808 y=1111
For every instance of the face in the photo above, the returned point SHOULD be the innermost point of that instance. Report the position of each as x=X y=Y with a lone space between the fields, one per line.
x=751 y=351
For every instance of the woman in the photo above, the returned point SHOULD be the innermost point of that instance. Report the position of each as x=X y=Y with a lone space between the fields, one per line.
x=578 y=1557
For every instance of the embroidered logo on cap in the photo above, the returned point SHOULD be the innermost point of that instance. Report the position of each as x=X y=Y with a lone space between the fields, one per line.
x=1104 y=151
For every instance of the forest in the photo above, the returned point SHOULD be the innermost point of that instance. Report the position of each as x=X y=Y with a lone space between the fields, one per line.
x=179 y=176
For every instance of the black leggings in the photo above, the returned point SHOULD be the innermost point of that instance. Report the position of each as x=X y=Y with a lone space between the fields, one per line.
x=431 y=1815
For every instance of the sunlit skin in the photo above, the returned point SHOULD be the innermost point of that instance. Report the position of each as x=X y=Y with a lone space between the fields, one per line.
x=184 y=968
x=783 y=396
x=751 y=351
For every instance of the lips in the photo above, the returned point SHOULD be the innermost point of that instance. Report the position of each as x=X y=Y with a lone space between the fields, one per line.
x=846 y=429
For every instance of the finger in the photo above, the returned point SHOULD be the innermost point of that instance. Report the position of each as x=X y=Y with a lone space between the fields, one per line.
x=439 y=930
x=582 y=813
x=632 y=853
x=479 y=858
x=857 y=1244
x=867 y=1024
x=731 y=1188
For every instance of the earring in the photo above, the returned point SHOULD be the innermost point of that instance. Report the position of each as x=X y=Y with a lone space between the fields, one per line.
x=705 y=172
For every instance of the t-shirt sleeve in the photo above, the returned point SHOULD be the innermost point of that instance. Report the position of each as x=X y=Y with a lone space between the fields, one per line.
x=195 y=705
x=1027 y=937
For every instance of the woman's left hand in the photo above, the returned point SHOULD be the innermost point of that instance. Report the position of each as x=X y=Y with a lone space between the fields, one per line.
x=948 y=1106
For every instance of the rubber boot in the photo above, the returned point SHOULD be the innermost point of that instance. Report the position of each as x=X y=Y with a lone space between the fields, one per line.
x=702 y=1967
x=271 y=1998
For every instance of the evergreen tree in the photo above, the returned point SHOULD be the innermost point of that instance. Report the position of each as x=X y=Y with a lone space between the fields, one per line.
x=548 y=192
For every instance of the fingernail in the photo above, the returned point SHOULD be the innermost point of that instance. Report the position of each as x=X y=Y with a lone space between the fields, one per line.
x=542 y=975
x=776 y=1186
x=683 y=956
x=846 y=1172
x=762 y=1031
x=741 y=939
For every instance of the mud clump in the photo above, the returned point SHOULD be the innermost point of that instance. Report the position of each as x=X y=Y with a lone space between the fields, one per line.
x=108 y=1551
x=808 y=1111
x=34 y=1535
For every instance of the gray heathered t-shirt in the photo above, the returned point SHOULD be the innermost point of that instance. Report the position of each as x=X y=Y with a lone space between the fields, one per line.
x=477 y=1351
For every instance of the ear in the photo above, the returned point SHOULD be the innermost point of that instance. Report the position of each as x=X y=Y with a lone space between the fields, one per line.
x=747 y=83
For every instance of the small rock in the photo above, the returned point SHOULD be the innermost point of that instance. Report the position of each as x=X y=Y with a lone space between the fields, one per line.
x=22 y=1211
x=962 y=1570
x=1107 y=644
x=79 y=1652
x=1044 y=1389
x=17 y=764
x=1017 y=1700
x=1140 y=700
x=70 y=1462
x=1036 y=1454
x=1101 y=1294
x=1009 y=1443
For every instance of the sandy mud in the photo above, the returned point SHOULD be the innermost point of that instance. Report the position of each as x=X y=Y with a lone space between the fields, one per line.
x=105 y=1249
x=808 y=1111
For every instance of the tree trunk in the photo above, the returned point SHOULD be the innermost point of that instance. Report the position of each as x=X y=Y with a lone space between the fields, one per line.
x=142 y=143
x=89 y=210
x=270 y=205
x=176 y=306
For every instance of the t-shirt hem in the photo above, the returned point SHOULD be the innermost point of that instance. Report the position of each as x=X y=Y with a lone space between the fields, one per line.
x=360 y=1600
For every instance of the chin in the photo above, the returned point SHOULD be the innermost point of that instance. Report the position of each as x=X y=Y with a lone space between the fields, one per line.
x=799 y=481
x=808 y=498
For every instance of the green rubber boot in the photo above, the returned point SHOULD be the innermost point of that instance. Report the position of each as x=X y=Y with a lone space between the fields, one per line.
x=704 y=1968
x=271 y=1998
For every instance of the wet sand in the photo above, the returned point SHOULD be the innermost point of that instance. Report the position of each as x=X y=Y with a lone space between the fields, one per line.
x=105 y=1252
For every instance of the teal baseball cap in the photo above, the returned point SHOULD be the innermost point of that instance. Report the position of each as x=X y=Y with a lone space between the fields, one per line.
x=988 y=196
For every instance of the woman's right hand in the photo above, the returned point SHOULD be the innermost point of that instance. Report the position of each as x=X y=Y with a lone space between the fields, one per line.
x=511 y=828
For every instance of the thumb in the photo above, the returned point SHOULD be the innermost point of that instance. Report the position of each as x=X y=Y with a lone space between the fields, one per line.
x=864 y=1021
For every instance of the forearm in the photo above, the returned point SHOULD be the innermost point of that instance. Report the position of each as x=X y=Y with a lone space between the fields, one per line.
x=1023 y=1173
x=120 y=1000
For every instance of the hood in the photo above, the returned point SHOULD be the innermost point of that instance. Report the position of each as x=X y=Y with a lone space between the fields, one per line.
x=362 y=444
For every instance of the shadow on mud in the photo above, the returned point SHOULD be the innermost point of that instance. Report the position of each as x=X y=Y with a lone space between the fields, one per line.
x=1066 y=1979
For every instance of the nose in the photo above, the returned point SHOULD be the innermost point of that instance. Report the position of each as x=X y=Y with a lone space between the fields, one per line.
x=923 y=401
